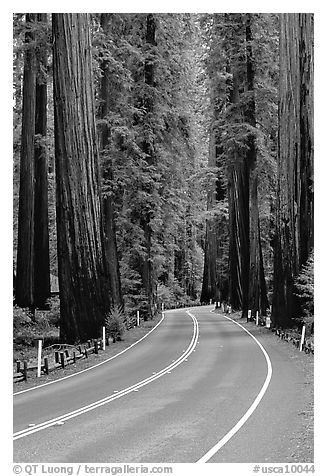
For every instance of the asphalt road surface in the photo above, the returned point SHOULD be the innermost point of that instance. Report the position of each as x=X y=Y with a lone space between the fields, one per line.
x=198 y=388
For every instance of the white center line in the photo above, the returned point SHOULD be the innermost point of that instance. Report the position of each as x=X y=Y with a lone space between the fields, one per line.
x=121 y=393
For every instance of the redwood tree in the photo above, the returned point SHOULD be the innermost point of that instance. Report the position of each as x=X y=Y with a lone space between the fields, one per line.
x=25 y=250
x=294 y=215
x=41 y=229
x=83 y=281
x=146 y=265
x=108 y=98
x=33 y=270
x=258 y=300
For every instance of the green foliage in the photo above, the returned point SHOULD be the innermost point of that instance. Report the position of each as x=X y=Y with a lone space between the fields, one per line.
x=304 y=287
x=21 y=317
x=27 y=326
x=114 y=323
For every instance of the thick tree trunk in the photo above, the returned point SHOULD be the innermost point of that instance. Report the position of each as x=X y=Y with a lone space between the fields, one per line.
x=210 y=283
x=41 y=230
x=25 y=250
x=294 y=214
x=239 y=234
x=258 y=300
x=238 y=199
x=83 y=283
x=108 y=103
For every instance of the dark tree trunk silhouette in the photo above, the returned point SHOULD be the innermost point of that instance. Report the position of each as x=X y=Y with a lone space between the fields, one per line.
x=238 y=198
x=83 y=282
x=25 y=249
x=294 y=208
x=213 y=285
x=148 y=149
x=41 y=229
x=258 y=300
x=108 y=103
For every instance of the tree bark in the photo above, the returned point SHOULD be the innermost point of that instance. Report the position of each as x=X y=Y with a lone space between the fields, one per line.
x=148 y=148
x=41 y=229
x=213 y=285
x=238 y=199
x=294 y=208
x=108 y=103
x=25 y=248
x=258 y=300
x=83 y=282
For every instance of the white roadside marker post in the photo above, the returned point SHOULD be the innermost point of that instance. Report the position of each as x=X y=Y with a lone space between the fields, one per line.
x=257 y=318
x=103 y=337
x=138 y=318
x=39 y=356
x=268 y=321
x=210 y=302
x=218 y=304
x=249 y=315
x=302 y=338
x=162 y=306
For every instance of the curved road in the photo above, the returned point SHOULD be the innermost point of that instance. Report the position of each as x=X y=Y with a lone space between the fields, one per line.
x=171 y=398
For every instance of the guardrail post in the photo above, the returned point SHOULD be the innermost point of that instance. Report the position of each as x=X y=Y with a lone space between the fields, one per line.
x=74 y=357
x=85 y=352
x=57 y=357
x=46 y=365
x=302 y=338
x=39 y=357
x=103 y=338
x=18 y=366
x=96 y=349
x=25 y=370
x=62 y=359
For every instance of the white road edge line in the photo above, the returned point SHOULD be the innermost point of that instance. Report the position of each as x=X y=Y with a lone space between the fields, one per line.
x=252 y=408
x=93 y=366
x=110 y=398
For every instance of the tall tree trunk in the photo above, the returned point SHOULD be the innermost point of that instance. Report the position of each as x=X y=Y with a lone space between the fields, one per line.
x=148 y=148
x=41 y=229
x=108 y=103
x=25 y=249
x=294 y=208
x=258 y=300
x=83 y=283
x=238 y=198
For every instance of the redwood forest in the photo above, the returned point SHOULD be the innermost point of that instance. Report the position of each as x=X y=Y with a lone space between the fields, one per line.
x=161 y=160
